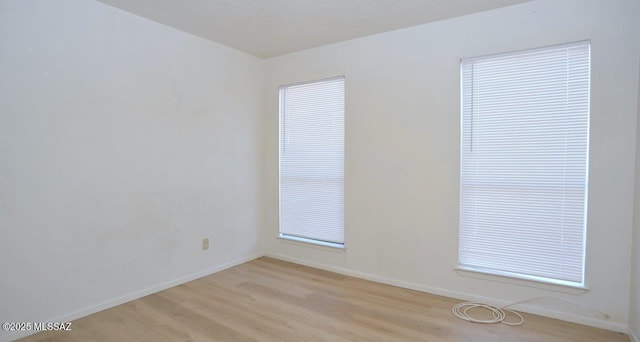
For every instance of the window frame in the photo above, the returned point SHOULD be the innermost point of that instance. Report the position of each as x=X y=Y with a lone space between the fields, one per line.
x=522 y=276
x=300 y=238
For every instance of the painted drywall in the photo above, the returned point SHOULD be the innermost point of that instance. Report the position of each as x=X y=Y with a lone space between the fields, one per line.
x=402 y=152
x=123 y=143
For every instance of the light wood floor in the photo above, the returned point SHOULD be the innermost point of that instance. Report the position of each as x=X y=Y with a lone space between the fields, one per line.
x=272 y=300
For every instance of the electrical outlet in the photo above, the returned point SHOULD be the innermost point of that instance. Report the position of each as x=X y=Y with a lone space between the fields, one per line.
x=205 y=244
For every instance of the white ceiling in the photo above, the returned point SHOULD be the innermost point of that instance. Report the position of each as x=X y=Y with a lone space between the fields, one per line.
x=267 y=28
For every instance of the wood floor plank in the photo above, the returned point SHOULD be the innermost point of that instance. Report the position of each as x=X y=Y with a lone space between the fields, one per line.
x=273 y=300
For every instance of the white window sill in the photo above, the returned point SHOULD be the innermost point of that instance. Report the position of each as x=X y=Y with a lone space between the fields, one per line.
x=509 y=278
x=313 y=243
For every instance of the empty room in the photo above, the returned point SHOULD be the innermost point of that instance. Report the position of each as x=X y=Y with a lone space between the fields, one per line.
x=320 y=170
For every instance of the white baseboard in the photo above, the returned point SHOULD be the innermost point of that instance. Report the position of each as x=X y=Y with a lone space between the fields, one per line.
x=594 y=322
x=633 y=336
x=132 y=296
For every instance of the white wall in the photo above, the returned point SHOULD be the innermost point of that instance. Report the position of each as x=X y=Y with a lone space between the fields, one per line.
x=402 y=151
x=123 y=143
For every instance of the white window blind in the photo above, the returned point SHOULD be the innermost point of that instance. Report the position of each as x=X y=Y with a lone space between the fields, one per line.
x=524 y=163
x=312 y=161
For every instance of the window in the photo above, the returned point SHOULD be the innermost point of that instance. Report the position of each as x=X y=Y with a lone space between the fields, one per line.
x=524 y=163
x=312 y=162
